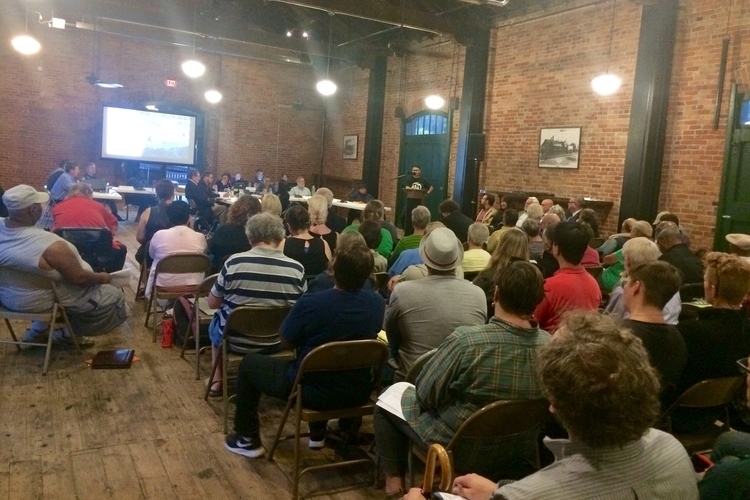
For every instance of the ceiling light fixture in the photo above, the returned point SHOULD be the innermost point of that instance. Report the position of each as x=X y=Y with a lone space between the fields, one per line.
x=192 y=67
x=326 y=86
x=435 y=101
x=93 y=78
x=607 y=83
x=213 y=96
x=26 y=44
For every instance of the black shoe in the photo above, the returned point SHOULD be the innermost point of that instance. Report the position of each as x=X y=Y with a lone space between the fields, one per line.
x=120 y=219
x=317 y=439
x=251 y=448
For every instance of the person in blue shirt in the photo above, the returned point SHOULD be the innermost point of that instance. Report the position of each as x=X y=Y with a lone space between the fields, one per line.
x=65 y=182
x=345 y=312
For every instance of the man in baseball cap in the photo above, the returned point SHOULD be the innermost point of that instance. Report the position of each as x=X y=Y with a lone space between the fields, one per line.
x=739 y=244
x=93 y=306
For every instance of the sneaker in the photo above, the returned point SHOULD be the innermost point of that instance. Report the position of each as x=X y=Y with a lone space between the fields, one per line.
x=35 y=337
x=250 y=448
x=317 y=439
x=63 y=338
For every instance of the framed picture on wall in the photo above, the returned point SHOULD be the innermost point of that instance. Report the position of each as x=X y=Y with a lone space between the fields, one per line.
x=559 y=147
x=350 y=147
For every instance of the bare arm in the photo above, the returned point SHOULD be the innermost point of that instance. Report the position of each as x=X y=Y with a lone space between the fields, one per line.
x=327 y=249
x=61 y=258
x=214 y=302
x=140 y=235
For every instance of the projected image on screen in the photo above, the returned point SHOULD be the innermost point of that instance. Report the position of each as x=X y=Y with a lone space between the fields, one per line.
x=130 y=134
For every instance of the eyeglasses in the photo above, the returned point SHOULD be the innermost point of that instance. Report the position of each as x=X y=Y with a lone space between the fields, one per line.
x=744 y=365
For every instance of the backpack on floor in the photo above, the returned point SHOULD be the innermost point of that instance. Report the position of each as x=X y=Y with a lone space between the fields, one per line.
x=183 y=312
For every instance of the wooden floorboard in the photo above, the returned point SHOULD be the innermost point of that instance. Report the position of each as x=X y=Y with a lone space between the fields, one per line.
x=142 y=433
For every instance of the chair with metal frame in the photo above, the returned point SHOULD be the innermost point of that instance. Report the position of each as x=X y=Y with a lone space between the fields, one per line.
x=247 y=330
x=57 y=316
x=179 y=263
x=339 y=357
x=594 y=271
x=497 y=423
x=94 y=244
x=45 y=221
x=416 y=368
x=380 y=280
x=712 y=393
x=195 y=321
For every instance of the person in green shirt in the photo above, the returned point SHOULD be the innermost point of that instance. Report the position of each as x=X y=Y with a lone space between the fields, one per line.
x=420 y=217
x=372 y=212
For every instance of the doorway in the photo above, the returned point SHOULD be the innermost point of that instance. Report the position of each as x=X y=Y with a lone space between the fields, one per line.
x=733 y=214
x=425 y=141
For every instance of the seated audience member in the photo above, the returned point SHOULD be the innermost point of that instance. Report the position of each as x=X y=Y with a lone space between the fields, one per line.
x=79 y=209
x=454 y=219
x=487 y=211
x=739 y=244
x=666 y=219
x=370 y=231
x=575 y=205
x=514 y=246
x=345 y=312
x=411 y=257
x=324 y=280
x=282 y=191
x=179 y=238
x=300 y=189
x=729 y=479
x=224 y=185
x=536 y=243
x=647 y=289
x=334 y=221
x=592 y=372
x=549 y=218
x=374 y=211
x=610 y=277
x=360 y=194
x=259 y=181
x=677 y=253
x=420 y=217
x=616 y=241
x=317 y=207
x=559 y=211
x=721 y=334
x=313 y=253
x=92 y=305
x=510 y=217
x=90 y=175
x=533 y=212
x=476 y=257
x=56 y=173
x=590 y=256
x=230 y=238
x=271 y=204
x=154 y=218
x=197 y=194
x=65 y=182
x=531 y=200
x=546 y=205
x=588 y=216
x=464 y=375
x=421 y=313
x=259 y=277
x=548 y=263
x=635 y=252
x=571 y=287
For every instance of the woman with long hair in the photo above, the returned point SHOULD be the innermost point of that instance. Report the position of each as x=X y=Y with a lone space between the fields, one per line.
x=514 y=245
x=313 y=253
x=318 y=208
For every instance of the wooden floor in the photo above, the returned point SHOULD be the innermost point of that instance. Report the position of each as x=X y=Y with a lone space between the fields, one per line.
x=143 y=433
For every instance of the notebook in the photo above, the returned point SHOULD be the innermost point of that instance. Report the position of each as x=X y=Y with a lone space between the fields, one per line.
x=113 y=360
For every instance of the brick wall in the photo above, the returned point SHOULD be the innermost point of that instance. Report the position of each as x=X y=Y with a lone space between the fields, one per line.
x=50 y=112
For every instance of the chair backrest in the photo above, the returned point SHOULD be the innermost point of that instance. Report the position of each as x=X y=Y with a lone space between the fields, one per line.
x=207 y=284
x=594 y=271
x=709 y=393
x=471 y=276
x=596 y=242
x=87 y=240
x=380 y=280
x=503 y=419
x=416 y=368
x=344 y=356
x=249 y=328
x=184 y=263
x=691 y=291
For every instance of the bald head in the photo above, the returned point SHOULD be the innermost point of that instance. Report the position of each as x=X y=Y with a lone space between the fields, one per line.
x=546 y=205
x=668 y=237
x=549 y=218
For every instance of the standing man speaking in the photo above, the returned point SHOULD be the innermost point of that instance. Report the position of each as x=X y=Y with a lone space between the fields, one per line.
x=414 y=181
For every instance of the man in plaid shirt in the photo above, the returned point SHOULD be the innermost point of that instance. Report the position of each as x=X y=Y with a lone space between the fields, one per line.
x=474 y=366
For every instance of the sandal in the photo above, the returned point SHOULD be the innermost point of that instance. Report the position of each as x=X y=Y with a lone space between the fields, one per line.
x=216 y=389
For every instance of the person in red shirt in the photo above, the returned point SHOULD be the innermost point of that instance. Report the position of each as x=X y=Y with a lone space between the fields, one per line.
x=571 y=287
x=79 y=209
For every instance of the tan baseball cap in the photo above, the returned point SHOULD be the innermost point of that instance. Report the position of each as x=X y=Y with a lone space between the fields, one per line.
x=741 y=241
x=23 y=196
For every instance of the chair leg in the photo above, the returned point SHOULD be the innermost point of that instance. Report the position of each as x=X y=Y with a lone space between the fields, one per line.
x=12 y=334
x=70 y=329
x=297 y=425
x=210 y=378
x=277 y=439
x=224 y=384
x=53 y=321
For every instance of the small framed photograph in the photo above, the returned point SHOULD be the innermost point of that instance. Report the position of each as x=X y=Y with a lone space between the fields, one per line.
x=559 y=147
x=350 y=147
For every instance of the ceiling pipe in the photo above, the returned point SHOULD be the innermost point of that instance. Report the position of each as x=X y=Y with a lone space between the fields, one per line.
x=366 y=18
x=495 y=3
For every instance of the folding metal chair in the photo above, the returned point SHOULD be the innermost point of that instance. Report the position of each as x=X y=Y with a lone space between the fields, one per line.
x=57 y=316
x=181 y=263
x=94 y=244
x=193 y=329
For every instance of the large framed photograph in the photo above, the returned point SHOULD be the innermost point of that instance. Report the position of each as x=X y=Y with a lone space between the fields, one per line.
x=559 y=147
x=350 y=147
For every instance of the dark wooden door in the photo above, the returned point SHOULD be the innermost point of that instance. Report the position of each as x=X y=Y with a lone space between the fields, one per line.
x=425 y=141
x=733 y=214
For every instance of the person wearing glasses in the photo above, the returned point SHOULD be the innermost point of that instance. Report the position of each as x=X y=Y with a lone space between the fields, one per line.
x=414 y=181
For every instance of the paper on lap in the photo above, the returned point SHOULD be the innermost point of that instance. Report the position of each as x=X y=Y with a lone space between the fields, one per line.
x=390 y=400
x=120 y=278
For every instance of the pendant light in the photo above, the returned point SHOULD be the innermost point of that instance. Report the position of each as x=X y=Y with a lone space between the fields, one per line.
x=213 y=94
x=435 y=101
x=193 y=68
x=26 y=44
x=326 y=86
x=607 y=83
